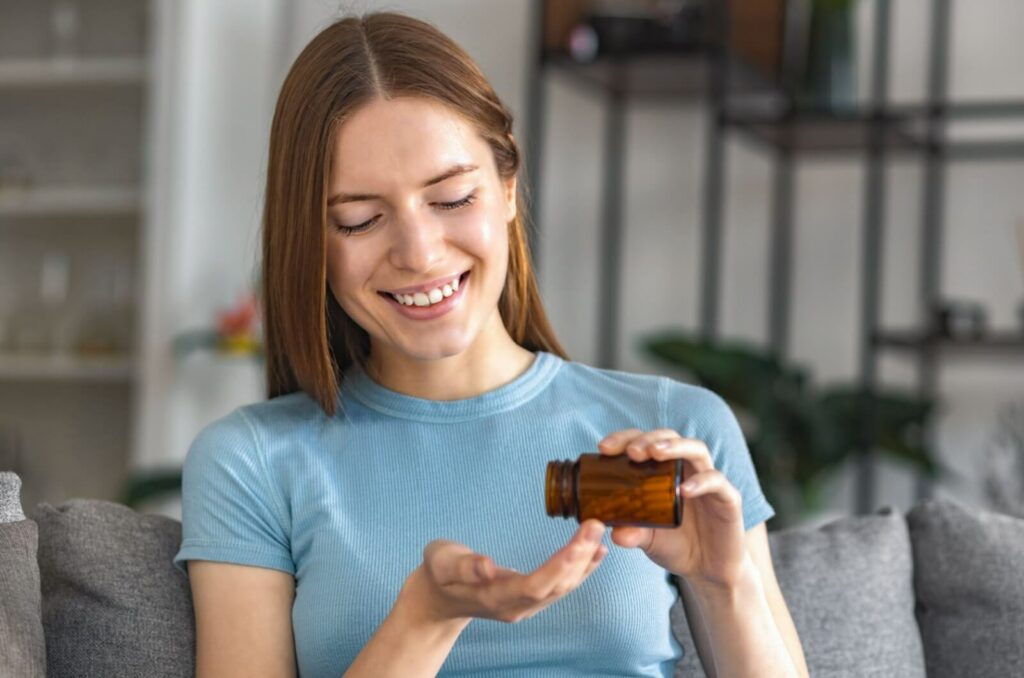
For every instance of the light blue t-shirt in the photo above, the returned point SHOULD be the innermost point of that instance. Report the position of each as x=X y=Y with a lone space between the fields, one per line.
x=347 y=503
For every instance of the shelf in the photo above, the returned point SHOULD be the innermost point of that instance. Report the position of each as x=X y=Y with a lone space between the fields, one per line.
x=903 y=128
x=1003 y=341
x=756 y=107
x=666 y=75
x=116 y=368
x=72 y=72
x=822 y=131
x=71 y=201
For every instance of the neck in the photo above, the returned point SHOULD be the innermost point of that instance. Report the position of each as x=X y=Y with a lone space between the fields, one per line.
x=491 y=361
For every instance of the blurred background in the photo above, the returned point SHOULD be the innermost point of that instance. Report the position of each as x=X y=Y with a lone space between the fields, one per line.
x=813 y=207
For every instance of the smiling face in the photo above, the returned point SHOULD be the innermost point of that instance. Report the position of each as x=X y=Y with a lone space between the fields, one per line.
x=420 y=188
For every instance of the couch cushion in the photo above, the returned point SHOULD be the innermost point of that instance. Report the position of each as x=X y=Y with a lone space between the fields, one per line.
x=849 y=588
x=22 y=643
x=113 y=602
x=969 y=577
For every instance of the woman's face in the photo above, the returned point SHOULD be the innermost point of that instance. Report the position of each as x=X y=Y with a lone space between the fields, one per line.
x=421 y=190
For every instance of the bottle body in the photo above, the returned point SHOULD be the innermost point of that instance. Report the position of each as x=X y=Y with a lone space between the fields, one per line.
x=616 y=490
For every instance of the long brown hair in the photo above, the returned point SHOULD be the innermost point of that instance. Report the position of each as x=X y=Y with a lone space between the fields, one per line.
x=309 y=340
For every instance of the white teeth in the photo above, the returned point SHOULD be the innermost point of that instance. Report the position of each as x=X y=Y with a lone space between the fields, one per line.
x=429 y=297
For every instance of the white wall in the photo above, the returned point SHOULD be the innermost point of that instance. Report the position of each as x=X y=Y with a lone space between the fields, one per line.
x=662 y=207
x=216 y=70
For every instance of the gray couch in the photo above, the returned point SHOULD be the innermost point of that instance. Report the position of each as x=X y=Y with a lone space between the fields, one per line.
x=88 y=589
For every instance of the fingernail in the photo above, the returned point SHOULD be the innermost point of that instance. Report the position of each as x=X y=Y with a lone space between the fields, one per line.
x=690 y=485
x=480 y=569
x=661 y=444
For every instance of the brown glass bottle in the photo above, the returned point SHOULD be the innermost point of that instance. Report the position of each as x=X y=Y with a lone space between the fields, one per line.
x=616 y=490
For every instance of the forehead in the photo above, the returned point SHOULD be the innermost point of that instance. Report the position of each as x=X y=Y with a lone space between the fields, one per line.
x=401 y=142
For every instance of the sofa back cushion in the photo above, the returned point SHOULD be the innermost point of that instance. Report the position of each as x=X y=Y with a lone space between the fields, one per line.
x=969 y=576
x=113 y=602
x=849 y=589
x=22 y=643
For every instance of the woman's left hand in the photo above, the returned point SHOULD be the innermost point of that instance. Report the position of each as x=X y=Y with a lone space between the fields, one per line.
x=709 y=546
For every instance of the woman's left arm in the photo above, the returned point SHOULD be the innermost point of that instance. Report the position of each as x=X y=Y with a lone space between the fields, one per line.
x=726 y=640
x=741 y=618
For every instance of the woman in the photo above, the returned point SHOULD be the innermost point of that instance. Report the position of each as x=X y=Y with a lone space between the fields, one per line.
x=391 y=490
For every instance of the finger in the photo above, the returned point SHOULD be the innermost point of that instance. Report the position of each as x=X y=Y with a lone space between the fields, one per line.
x=566 y=564
x=711 y=483
x=644 y=447
x=596 y=560
x=573 y=580
x=691 y=449
x=632 y=537
x=602 y=551
x=615 y=443
x=448 y=561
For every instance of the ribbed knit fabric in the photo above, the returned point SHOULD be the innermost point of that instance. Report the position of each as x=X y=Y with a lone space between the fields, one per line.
x=347 y=504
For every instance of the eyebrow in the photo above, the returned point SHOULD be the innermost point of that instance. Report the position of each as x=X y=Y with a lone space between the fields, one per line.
x=452 y=171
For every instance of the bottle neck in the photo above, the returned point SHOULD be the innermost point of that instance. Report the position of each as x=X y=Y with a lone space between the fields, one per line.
x=561 y=492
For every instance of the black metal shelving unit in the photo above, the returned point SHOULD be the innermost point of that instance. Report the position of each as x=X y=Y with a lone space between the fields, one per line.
x=740 y=101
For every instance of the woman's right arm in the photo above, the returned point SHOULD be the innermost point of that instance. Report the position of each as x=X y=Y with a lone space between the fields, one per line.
x=454 y=585
x=243 y=614
x=409 y=642
x=243 y=620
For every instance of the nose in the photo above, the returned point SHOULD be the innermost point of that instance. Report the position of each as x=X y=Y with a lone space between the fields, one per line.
x=419 y=242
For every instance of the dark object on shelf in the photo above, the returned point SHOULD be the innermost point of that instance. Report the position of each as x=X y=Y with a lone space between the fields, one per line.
x=768 y=36
x=624 y=28
x=801 y=432
x=960 y=320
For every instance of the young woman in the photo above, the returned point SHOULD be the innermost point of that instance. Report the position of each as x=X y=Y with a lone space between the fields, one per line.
x=382 y=513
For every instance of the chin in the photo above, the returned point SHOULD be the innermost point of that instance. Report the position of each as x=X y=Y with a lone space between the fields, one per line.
x=436 y=349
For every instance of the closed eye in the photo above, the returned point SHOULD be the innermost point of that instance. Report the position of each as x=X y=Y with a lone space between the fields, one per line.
x=349 y=230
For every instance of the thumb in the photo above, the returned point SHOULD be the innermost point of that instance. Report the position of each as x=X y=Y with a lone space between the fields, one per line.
x=632 y=537
x=450 y=562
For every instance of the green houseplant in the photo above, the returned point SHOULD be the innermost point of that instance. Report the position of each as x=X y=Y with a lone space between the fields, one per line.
x=801 y=432
x=827 y=79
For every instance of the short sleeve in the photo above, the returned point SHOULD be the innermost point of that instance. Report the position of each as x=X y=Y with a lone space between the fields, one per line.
x=229 y=508
x=697 y=412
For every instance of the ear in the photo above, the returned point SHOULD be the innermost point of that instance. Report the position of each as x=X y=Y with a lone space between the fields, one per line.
x=510 y=199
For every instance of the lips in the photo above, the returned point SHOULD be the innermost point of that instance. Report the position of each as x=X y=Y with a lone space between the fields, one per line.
x=426 y=287
x=431 y=311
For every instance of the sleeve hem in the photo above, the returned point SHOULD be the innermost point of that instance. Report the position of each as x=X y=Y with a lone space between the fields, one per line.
x=238 y=555
x=757 y=514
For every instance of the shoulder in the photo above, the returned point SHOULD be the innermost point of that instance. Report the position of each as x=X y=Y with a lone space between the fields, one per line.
x=700 y=405
x=591 y=381
x=671 y=396
x=247 y=428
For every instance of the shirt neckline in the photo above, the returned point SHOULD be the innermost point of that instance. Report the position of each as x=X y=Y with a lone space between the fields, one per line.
x=363 y=388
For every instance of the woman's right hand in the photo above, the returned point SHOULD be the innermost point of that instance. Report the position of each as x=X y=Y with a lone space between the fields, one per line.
x=453 y=583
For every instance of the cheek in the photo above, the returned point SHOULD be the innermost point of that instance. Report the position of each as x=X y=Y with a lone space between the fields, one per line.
x=343 y=272
x=489 y=238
